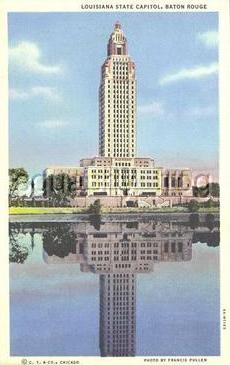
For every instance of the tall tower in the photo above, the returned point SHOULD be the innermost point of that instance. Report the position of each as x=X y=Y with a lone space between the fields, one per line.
x=117 y=100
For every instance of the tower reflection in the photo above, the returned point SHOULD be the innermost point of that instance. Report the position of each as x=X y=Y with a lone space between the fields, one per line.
x=117 y=253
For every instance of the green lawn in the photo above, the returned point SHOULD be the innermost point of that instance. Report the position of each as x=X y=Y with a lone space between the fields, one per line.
x=42 y=210
x=209 y=210
x=62 y=210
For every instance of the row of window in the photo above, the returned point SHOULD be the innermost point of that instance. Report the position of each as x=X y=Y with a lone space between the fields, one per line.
x=119 y=128
x=121 y=150
x=121 y=103
x=125 y=172
x=125 y=116
x=100 y=252
x=117 y=154
x=119 y=61
x=125 y=258
x=149 y=185
x=125 y=85
x=117 y=116
x=118 y=91
x=118 y=98
x=121 y=141
x=124 y=139
x=121 y=106
x=149 y=244
x=133 y=252
x=123 y=275
x=121 y=119
x=116 y=184
x=154 y=177
x=99 y=171
x=125 y=127
x=100 y=184
x=119 y=280
x=100 y=245
x=122 y=93
x=120 y=66
x=120 y=72
x=125 y=244
x=100 y=177
x=123 y=164
x=155 y=258
x=118 y=111
x=120 y=153
x=111 y=81
x=120 y=75
x=149 y=171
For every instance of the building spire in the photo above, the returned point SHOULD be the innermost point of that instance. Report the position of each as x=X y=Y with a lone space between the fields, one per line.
x=117 y=25
x=117 y=44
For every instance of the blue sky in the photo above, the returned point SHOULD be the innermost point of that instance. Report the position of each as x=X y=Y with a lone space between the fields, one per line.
x=54 y=74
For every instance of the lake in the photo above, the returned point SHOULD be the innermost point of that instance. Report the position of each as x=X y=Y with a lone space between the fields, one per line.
x=124 y=287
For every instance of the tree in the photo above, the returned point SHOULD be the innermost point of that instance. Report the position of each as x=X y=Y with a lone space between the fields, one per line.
x=210 y=221
x=194 y=220
x=214 y=189
x=204 y=191
x=59 y=188
x=17 y=252
x=193 y=206
x=210 y=203
x=201 y=191
x=95 y=208
x=17 y=177
x=60 y=240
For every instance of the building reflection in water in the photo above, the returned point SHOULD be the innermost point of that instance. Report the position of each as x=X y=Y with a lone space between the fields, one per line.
x=117 y=252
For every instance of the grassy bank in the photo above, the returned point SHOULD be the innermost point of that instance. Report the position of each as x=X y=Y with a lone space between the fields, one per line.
x=42 y=210
x=63 y=210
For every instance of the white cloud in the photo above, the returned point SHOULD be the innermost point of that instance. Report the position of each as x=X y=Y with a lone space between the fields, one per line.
x=48 y=93
x=205 y=111
x=53 y=124
x=196 y=72
x=27 y=56
x=16 y=94
x=209 y=38
x=155 y=109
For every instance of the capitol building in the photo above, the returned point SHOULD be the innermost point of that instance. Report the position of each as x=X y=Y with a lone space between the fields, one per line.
x=117 y=170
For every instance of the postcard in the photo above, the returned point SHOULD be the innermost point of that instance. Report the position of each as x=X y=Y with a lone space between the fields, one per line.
x=115 y=182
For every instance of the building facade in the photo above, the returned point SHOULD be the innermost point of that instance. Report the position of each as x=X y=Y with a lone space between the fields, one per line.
x=122 y=176
x=117 y=171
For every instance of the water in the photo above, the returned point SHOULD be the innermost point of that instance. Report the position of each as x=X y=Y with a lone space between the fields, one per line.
x=126 y=288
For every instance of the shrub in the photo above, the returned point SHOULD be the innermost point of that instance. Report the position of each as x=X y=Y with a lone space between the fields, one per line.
x=193 y=206
x=95 y=208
